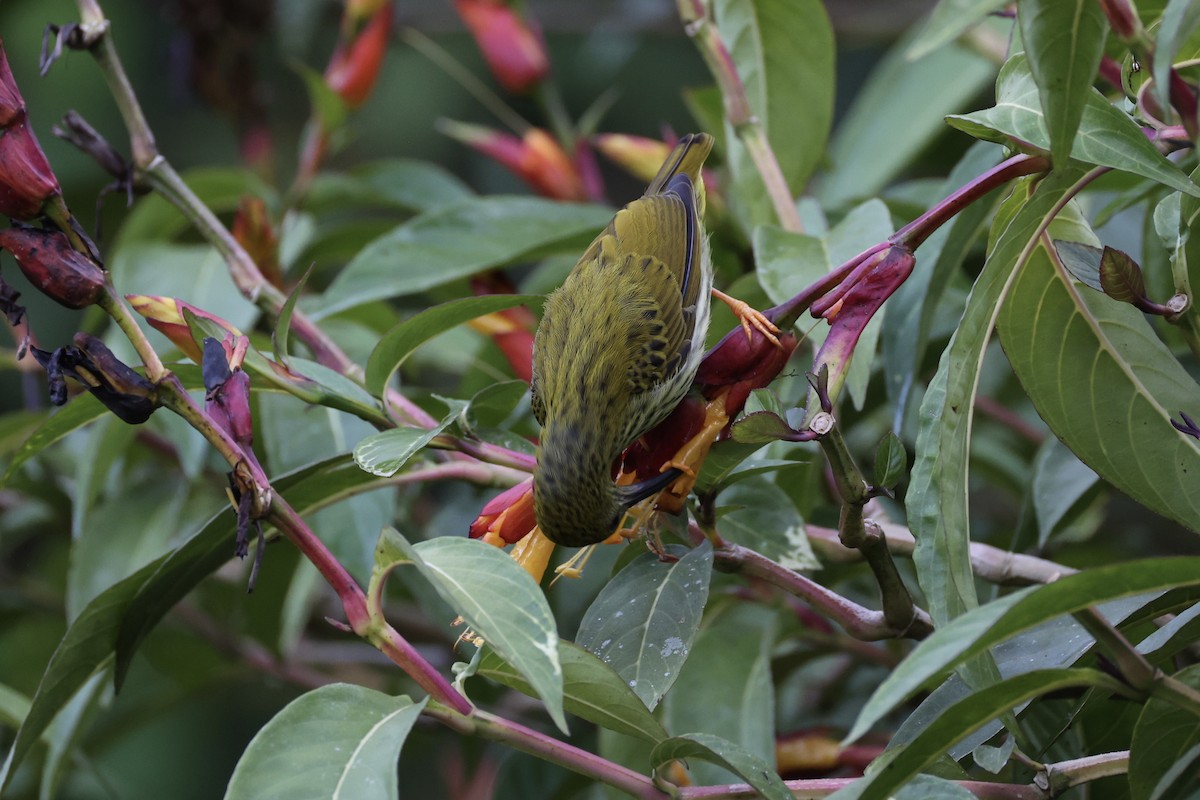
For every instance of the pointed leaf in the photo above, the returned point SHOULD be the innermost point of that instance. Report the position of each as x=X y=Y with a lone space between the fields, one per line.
x=705 y=746
x=74 y=415
x=1107 y=136
x=968 y=714
x=1120 y=276
x=339 y=742
x=453 y=242
x=645 y=619
x=398 y=343
x=283 y=324
x=761 y=427
x=1164 y=733
x=891 y=461
x=498 y=600
x=591 y=690
x=386 y=452
x=986 y=625
x=1106 y=385
x=1064 y=40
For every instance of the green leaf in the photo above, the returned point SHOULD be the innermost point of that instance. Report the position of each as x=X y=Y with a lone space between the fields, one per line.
x=283 y=324
x=707 y=747
x=1064 y=40
x=339 y=742
x=386 y=452
x=760 y=428
x=591 y=690
x=789 y=89
x=414 y=185
x=731 y=660
x=867 y=151
x=891 y=460
x=1180 y=632
x=398 y=343
x=118 y=619
x=1059 y=481
x=456 y=241
x=964 y=717
x=949 y=20
x=982 y=627
x=1120 y=276
x=1179 y=21
x=1105 y=384
x=1181 y=780
x=937 y=495
x=493 y=404
x=645 y=619
x=1107 y=136
x=497 y=599
x=759 y=515
x=74 y=415
x=909 y=314
x=327 y=104
x=1164 y=733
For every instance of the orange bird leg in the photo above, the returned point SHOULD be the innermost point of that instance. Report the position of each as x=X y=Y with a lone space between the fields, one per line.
x=689 y=458
x=750 y=317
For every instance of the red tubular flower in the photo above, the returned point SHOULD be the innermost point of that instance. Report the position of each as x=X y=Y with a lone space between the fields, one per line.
x=511 y=329
x=26 y=180
x=50 y=263
x=536 y=158
x=507 y=517
x=849 y=316
x=738 y=365
x=165 y=315
x=355 y=65
x=512 y=46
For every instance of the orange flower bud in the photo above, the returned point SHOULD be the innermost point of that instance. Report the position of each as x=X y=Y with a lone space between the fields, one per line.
x=354 y=66
x=253 y=230
x=507 y=517
x=536 y=158
x=640 y=156
x=511 y=46
x=165 y=315
x=50 y=263
x=26 y=180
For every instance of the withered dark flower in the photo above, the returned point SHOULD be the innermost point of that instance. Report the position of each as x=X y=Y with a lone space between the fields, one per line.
x=50 y=263
x=89 y=361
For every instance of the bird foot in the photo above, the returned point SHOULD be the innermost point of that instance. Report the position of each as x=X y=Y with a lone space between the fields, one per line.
x=750 y=317
x=689 y=458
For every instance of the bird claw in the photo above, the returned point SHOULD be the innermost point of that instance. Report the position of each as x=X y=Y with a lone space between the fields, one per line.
x=750 y=318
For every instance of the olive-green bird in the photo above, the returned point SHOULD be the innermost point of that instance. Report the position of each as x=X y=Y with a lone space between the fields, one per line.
x=617 y=349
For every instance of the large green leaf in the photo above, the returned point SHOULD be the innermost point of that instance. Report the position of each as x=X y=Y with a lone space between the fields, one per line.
x=1064 y=40
x=707 y=747
x=731 y=660
x=789 y=89
x=759 y=515
x=455 y=241
x=117 y=620
x=591 y=690
x=1107 y=136
x=74 y=415
x=897 y=114
x=949 y=20
x=982 y=627
x=962 y=718
x=497 y=599
x=937 y=496
x=1105 y=384
x=645 y=620
x=338 y=742
x=400 y=341
x=1164 y=732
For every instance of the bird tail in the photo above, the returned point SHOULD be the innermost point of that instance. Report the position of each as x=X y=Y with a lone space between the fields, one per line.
x=686 y=159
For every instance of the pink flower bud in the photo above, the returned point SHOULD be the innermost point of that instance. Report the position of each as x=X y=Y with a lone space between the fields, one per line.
x=165 y=315
x=511 y=46
x=536 y=158
x=355 y=65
